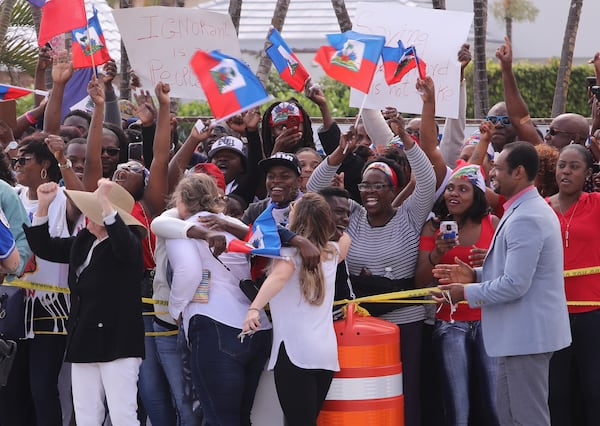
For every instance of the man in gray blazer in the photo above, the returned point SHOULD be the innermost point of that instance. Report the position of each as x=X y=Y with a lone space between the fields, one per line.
x=520 y=290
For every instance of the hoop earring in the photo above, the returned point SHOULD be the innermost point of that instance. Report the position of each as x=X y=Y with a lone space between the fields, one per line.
x=43 y=174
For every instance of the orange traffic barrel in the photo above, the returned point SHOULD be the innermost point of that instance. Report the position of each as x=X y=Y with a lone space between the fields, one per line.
x=368 y=388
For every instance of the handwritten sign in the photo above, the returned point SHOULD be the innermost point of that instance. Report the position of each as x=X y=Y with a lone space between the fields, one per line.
x=437 y=36
x=160 y=42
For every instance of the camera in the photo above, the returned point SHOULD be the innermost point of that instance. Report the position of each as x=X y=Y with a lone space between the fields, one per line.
x=596 y=91
x=449 y=228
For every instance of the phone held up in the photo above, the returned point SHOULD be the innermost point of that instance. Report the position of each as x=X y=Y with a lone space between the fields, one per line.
x=293 y=122
x=449 y=229
x=135 y=151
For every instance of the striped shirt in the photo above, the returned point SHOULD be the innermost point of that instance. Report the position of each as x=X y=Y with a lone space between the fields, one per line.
x=390 y=250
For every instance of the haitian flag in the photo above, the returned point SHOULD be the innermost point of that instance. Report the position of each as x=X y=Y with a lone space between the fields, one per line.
x=286 y=62
x=351 y=58
x=14 y=92
x=263 y=240
x=398 y=61
x=229 y=85
x=89 y=47
x=60 y=16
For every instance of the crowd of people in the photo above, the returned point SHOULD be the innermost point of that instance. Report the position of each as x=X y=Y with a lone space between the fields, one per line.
x=135 y=309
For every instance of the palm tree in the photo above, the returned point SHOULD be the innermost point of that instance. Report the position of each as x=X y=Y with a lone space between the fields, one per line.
x=264 y=64
x=235 y=9
x=339 y=7
x=511 y=11
x=480 y=83
x=124 y=88
x=563 y=76
x=18 y=50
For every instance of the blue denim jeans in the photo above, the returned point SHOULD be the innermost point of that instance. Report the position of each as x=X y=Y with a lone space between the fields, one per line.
x=169 y=356
x=153 y=384
x=226 y=371
x=464 y=361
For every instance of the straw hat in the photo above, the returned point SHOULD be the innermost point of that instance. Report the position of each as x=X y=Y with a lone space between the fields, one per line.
x=118 y=196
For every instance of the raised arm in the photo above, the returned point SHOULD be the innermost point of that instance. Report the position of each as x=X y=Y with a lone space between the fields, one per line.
x=92 y=171
x=428 y=137
x=315 y=94
x=62 y=71
x=182 y=157
x=517 y=110
x=111 y=105
x=157 y=189
x=454 y=128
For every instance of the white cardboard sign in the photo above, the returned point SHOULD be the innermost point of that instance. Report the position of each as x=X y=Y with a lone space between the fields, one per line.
x=437 y=36
x=160 y=42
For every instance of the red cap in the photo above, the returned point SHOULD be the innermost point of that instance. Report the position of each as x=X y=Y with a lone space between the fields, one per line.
x=213 y=171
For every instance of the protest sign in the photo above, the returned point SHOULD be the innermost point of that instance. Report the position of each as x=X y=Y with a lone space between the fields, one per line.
x=161 y=41
x=437 y=36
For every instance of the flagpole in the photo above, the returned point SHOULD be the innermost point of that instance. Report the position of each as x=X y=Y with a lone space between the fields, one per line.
x=87 y=29
x=362 y=106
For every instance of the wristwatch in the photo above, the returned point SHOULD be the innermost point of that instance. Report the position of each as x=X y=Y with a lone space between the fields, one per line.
x=67 y=165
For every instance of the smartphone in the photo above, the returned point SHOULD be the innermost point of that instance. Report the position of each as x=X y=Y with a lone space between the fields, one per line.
x=199 y=126
x=293 y=121
x=449 y=228
x=591 y=81
x=135 y=151
x=596 y=91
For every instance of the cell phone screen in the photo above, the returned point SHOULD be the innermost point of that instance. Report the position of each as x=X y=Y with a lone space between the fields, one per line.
x=135 y=151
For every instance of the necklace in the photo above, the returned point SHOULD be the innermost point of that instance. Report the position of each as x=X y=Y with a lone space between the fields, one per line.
x=567 y=224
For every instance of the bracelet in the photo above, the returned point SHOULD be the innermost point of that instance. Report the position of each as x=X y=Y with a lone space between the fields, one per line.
x=430 y=261
x=30 y=118
x=254 y=309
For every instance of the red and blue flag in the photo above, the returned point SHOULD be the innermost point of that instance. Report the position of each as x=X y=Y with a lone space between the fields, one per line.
x=286 y=62
x=398 y=61
x=14 y=92
x=89 y=47
x=229 y=85
x=263 y=240
x=351 y=58
x=60 y=16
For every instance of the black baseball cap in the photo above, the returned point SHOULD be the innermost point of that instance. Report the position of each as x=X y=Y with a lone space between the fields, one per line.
x=284 y=159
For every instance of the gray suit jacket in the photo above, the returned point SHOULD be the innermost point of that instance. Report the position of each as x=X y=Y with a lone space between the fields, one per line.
x=521 y=290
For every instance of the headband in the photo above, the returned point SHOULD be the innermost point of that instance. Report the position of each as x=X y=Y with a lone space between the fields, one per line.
x=472 y=173
x=282 y=111
x=386 y=169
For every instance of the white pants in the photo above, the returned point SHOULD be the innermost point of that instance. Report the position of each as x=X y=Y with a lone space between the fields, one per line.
x=117 y=380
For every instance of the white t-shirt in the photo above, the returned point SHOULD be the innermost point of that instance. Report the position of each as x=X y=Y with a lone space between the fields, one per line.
x=190 y=260
x=306 y=329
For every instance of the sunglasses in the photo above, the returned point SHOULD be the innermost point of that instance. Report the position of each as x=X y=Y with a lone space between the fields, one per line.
x=362 y=187
x=553 y=132
x=131 y=166
x=415 y=132
x=21 y=160
x=111 y=151
x=501 y=119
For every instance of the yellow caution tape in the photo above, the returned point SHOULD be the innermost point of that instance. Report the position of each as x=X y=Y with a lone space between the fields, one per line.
x=582 y=271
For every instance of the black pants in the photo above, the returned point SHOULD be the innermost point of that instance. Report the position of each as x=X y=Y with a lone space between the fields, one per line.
x=301 y=392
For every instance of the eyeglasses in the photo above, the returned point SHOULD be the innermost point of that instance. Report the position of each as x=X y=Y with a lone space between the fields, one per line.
x=21 y=160
x=131 y=166
x=498 y=119
x=111 y=151
x=415 y=132
x=553 y=132
x=362 y=187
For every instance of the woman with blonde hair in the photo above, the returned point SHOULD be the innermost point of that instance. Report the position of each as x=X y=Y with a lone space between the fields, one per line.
x=206 y=297
x=304 y=350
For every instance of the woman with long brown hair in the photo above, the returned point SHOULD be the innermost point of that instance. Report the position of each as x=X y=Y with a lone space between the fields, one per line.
x=304 y=351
